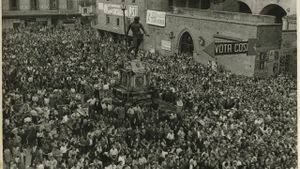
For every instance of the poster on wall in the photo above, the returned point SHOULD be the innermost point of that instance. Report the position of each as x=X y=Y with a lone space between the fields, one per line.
x=166 y=45
x=132 y=11
x=157 y=18
x=116 y=9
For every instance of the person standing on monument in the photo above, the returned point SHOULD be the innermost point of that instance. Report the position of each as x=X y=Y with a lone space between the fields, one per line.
x=136 y=28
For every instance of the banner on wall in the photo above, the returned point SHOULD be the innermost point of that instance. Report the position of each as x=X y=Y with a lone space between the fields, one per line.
x=157 y=18
x=225 y=48
x=166 y=45
x=116 y=9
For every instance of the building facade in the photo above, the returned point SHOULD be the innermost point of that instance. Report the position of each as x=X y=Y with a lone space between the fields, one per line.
x=248 y=37
x=17 y=13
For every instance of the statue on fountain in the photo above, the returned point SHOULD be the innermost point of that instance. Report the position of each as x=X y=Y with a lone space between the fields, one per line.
x=138 y=36
x=134 y=86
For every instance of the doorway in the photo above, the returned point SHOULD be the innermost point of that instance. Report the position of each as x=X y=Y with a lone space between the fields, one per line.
x=186 y=44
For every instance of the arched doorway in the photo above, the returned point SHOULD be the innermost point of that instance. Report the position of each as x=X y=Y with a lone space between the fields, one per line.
x=186 y=44
x=274 y=10
x=244 y=8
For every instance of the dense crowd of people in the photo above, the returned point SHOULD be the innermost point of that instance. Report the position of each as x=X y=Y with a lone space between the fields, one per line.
x=57 y=112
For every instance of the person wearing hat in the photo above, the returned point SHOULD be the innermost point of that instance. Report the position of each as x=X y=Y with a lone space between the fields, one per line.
x=136 y=28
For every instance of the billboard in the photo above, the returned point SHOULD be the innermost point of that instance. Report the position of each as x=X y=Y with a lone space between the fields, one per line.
x=116 y=9
x=157 y=18
x=225 y=48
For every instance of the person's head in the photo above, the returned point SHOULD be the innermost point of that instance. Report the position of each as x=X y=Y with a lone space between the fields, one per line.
x=136 y=19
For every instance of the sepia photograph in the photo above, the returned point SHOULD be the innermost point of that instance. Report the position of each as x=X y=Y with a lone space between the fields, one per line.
x=149 y=84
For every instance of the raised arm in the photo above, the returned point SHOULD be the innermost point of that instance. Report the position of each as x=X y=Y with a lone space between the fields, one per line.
x=142 y=27
x=129 y=27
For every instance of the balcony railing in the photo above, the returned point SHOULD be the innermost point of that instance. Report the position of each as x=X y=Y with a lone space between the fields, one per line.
x=224 y=15
x=39 y=12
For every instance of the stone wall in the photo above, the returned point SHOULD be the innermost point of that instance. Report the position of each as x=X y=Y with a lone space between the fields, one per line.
x=211 y=30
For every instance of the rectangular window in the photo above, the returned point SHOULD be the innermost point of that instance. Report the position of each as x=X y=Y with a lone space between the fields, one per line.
x=85 y=10
x=107 y=19
x=70 y=4
x=118 y=21
x=14 y=5
x=34 y=4
x=54 y=4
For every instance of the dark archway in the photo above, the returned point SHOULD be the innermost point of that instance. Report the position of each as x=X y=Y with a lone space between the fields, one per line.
x=244 y=8
x=274 y=10
x=186 y=44
x=205 y=4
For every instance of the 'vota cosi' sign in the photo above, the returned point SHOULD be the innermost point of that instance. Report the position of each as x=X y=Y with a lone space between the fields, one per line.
x=224 y=48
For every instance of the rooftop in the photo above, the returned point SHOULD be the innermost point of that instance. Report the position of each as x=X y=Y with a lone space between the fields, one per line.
x=39 y=13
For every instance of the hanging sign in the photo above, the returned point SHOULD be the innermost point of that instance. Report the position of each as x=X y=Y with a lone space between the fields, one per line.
x=157 y=18
x=225 y=48
x=116 y=9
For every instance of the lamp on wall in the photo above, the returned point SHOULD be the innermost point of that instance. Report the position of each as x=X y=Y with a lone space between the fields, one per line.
x=201 y=41
x=171 y=35
x=123 y=7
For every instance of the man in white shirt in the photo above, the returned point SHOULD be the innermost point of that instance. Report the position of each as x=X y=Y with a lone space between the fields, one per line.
x=192 y=163
x=170 y=137
x=40 y=165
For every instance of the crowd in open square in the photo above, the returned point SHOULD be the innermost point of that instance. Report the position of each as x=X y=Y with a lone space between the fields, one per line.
x=56 y=114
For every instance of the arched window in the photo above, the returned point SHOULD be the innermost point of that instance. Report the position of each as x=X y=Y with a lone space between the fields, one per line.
x=54 y=4
x=274 y=10
x=14 y=5
x=34 y=4
x=244 y=8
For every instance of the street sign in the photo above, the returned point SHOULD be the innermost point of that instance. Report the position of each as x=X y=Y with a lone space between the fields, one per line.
x=228 y=48
x=225 y=48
